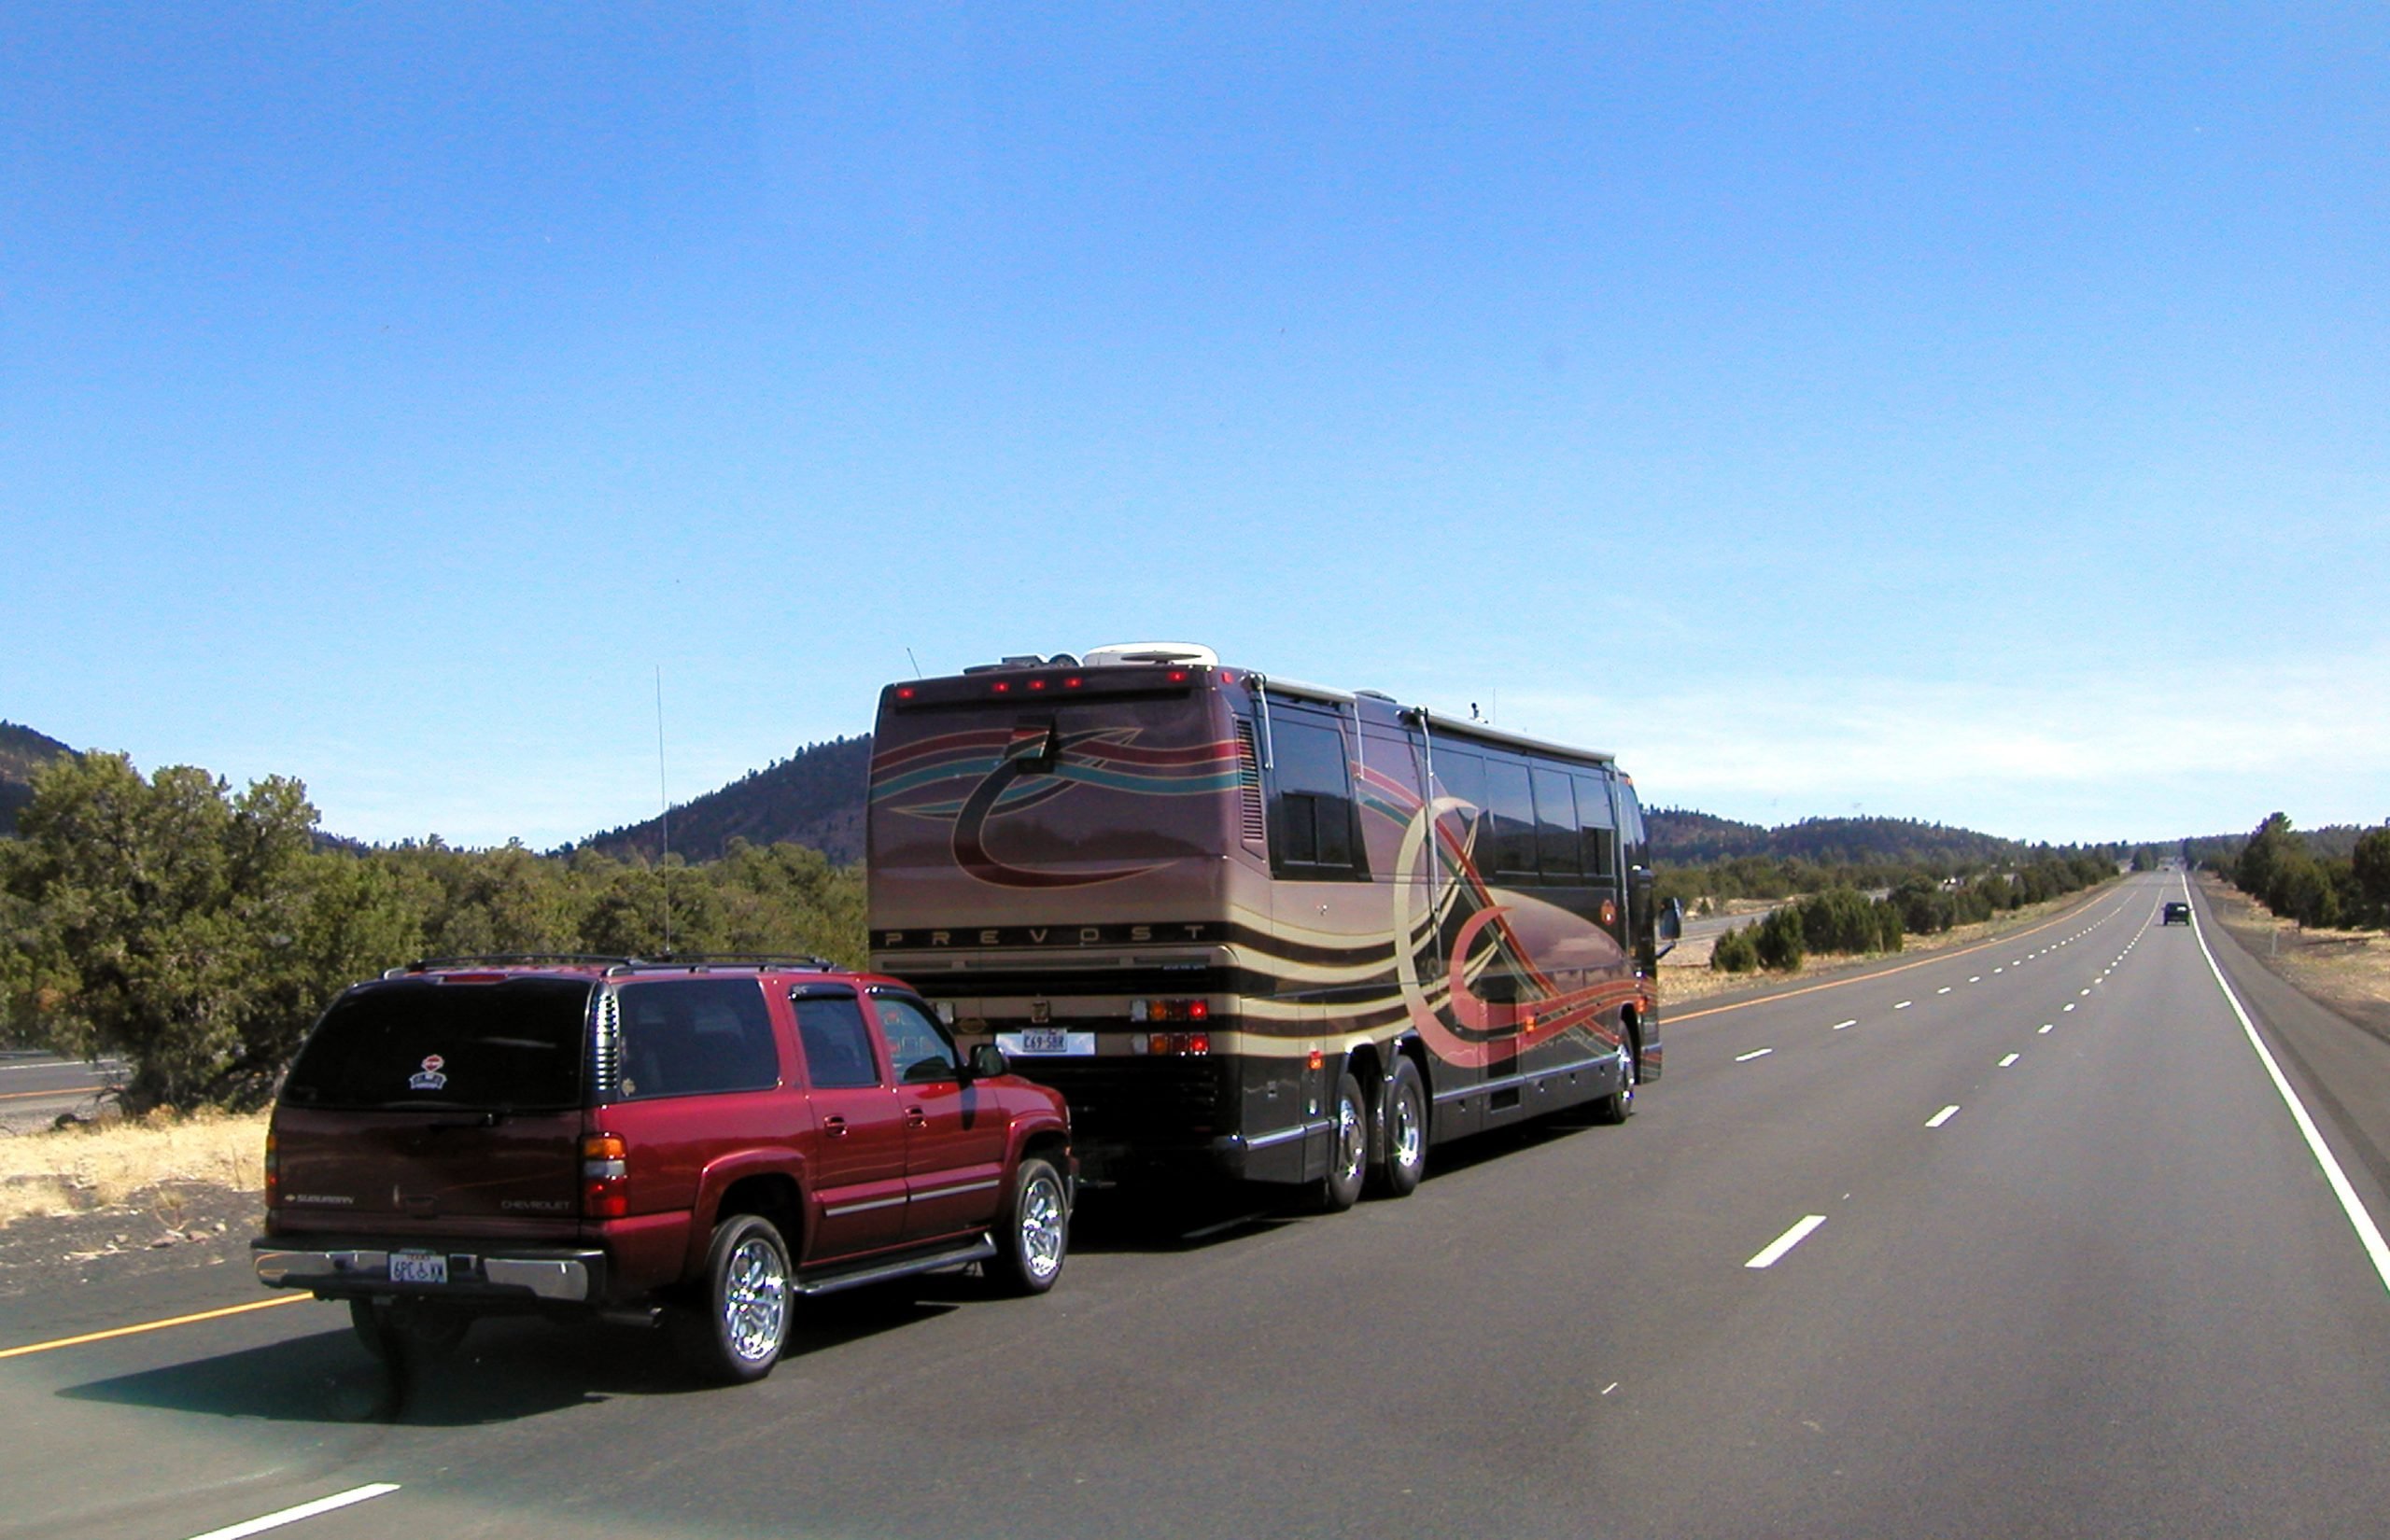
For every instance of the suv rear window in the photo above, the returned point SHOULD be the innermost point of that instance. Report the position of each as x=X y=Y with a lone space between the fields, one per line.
x=515 y=1046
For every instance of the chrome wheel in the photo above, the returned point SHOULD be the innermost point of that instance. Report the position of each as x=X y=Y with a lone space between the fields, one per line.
x=1352 y=1140
x=733 y=1330
x=1406 y=1136
x=1043 y=1223
x=755 y=1300
x=1349 y=1147
x=1619 y=1105
x=1032 y=1234
x=1402 y=1131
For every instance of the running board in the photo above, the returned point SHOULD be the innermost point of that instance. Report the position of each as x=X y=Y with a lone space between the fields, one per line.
x=955 y=1257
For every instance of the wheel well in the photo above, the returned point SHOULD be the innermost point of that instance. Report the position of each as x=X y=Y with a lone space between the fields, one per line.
x=1362 y=1063
x=771 y=1196
x=1631 y=1031
x=1050 y=1146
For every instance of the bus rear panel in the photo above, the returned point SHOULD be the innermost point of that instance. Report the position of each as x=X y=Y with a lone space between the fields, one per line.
x=1192 y=898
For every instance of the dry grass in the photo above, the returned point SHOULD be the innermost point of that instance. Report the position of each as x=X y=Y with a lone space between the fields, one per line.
x=2345 y=968
x=115 y=1162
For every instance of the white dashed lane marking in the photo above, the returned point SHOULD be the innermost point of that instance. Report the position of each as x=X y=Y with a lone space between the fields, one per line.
x=1944 y=1115
x=1776 y=1249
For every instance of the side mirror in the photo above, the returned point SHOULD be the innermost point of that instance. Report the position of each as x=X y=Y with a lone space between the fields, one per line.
x=1670 y=927
x=987 y=1061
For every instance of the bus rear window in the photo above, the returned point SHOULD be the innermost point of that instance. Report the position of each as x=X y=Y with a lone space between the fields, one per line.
x=512 y=1046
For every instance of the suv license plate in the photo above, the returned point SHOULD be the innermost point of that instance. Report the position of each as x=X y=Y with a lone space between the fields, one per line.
x=1048 y=1040
x=418 y=1268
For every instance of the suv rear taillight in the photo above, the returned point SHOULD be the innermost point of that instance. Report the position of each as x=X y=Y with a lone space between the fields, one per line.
x=605 y=1176
x=273 y=1169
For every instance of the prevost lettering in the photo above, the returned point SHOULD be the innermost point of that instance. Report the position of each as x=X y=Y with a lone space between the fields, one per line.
x=1054 y=935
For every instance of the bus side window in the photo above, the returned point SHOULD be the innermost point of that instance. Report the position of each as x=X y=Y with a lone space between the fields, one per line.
x=1311 y=803
x=1637 y=848
x=1463 y=775
x=1593 y=819
x=1555 y=829
x=1513 y=817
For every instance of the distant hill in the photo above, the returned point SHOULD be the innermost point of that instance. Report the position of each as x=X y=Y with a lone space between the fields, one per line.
x=813 y=797
x=22 y=752
x=1681 y=837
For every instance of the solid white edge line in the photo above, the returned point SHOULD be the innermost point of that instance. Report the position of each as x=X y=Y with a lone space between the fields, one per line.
x=304 y=1511
x=1944 y=1115
x=1755 y=1053
x=2368 y=1233
x=1785 y=1242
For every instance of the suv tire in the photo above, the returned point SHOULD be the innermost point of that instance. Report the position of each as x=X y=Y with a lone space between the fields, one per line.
x=411 y=1333
x=1033 y=1232
x=735 y=1331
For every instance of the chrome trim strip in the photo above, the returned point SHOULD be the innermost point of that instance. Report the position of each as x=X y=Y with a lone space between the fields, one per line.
x=977 y=1251
x=844 y=1209
x=955 y=1192
x=1505 y=1083
x=1283 y=1135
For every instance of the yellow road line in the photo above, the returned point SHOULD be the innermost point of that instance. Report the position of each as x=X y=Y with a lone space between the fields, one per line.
x=62 y=1091
x=1673 y=1017
x=155 y=1325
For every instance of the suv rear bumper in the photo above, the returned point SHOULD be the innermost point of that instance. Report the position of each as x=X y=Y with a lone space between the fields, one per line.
x=348 y=1271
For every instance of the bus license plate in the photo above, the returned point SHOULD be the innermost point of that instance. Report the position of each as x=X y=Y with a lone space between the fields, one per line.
x=418 y=1268
x=1047 y=1041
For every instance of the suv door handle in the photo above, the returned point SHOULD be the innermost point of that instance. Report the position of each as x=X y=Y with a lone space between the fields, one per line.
x=833 y=1127
x=915 y=1117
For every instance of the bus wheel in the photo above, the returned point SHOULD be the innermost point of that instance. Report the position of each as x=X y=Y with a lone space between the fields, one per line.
x=1619 y=1105
x=1402 y=1111
x=1348 y=1148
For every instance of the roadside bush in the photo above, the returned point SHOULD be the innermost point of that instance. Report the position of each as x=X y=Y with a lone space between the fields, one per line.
x=2370 y=870
x=1735 y=953
x=1778 y=941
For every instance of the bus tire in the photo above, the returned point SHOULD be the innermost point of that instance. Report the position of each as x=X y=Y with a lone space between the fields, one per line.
x=1349 y=1147
x=1619 y=1105
x=1402 y=1129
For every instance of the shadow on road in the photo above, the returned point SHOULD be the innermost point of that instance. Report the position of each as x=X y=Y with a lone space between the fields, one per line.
x=507 y=1369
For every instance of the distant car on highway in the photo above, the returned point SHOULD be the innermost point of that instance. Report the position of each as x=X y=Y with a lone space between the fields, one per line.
x=694 y=1144
x=2175 y=912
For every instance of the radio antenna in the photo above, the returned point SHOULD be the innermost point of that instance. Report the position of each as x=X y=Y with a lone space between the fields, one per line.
x=914 y=661
x=664 y=801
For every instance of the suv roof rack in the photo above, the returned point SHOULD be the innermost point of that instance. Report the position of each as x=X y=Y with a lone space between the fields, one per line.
x=515 y=959
x=667 y=962
x=760 y=961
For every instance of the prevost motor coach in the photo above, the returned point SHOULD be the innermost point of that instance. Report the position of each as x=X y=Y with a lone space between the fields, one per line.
x=1282 y=932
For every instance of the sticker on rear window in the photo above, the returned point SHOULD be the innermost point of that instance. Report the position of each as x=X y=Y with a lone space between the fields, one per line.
x=429 y=1078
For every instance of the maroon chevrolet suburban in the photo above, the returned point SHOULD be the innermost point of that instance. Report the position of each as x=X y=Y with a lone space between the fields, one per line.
x=694 y=1144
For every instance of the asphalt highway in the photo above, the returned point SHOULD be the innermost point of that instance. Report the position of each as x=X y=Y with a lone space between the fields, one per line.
x=35 y=1089
x=2023 y=1240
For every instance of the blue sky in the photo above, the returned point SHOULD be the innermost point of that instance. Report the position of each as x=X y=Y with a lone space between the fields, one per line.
x=1971 y=415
